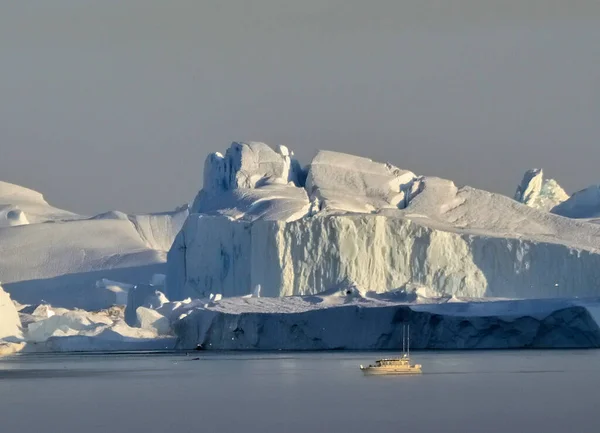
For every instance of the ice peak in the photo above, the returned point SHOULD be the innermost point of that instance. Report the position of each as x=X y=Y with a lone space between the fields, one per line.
x=538 y=193
x=247 y=165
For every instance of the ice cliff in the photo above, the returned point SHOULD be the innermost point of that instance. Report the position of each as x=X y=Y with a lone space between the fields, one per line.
x=257 y=224
x=352 y=321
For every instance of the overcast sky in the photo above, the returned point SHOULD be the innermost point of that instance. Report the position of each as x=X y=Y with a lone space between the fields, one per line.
x=115 y=104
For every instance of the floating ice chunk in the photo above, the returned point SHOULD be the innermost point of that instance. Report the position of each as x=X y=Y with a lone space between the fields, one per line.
x=65 y=324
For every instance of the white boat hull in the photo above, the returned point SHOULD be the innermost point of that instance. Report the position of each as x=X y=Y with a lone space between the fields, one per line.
x=381 y=371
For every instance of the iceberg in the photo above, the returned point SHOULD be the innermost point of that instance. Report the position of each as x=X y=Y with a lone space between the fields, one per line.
x=53 y=329
x=377 y=225
x=55 y=256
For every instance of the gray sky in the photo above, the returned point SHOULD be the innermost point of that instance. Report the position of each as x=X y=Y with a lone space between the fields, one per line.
x=115 y=104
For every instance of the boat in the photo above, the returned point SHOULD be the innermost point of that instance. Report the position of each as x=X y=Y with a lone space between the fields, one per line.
x=388 y=366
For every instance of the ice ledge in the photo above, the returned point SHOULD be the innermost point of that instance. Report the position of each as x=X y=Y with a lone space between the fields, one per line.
x=473 y=325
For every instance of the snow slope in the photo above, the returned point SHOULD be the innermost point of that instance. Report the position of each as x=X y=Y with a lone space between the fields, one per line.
x=19 y=205
x=383 y=228
x=582 y=204
x=345 y=183
x=57 y=256
x=363 y=322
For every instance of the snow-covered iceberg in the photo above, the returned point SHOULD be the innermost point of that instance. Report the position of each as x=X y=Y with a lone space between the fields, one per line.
x=52 y=329
x=55 y=256
x=379 y=226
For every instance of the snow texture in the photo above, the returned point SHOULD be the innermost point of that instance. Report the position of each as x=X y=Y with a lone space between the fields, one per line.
x=383 y=228
x=352 y=321
x=346 y=183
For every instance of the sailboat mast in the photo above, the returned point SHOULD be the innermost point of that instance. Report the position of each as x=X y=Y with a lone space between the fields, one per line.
x=403 y=338
x=408 y=341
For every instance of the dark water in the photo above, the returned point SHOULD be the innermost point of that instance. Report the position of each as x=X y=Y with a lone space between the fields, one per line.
x=527 y=391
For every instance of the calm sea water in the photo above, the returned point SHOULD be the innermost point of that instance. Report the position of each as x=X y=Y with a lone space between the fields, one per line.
x=524 y=391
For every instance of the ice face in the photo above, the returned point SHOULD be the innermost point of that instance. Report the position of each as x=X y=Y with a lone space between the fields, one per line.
x=344 y=322
x=385 y=228
x=379 y=253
